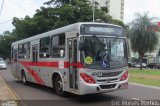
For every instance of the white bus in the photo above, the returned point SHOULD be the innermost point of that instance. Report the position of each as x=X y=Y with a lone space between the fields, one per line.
x=82 y=58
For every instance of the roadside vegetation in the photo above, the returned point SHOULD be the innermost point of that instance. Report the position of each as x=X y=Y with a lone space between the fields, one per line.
x=146 y=76
x=143 y=39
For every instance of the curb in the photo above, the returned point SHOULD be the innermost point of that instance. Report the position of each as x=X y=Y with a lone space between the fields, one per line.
x=11 y=92
x=142 y=85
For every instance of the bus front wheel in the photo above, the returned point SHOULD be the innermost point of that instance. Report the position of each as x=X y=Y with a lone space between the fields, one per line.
x=58 y=86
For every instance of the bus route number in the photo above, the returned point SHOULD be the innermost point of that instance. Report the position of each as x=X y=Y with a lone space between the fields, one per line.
x=98 y=74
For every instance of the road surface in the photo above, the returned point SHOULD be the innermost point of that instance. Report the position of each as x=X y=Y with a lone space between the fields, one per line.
x=34 y=94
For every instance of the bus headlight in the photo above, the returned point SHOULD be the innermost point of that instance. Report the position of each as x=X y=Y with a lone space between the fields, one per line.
x=87 y=78
x=124 y=76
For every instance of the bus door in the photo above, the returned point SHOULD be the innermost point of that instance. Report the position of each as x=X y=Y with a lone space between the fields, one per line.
x=34 y=58
x=14 y=62
x=72 y=59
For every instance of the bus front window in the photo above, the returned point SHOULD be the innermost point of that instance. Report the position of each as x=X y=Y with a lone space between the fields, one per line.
x=103 y=53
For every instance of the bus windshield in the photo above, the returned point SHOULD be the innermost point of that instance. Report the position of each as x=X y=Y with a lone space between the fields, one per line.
x=103 y=53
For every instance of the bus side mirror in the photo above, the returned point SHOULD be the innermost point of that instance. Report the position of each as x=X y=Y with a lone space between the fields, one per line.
x=81 y=46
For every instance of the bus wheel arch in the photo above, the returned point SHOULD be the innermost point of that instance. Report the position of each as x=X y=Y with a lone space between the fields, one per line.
x=58 y=84
x=23 y=77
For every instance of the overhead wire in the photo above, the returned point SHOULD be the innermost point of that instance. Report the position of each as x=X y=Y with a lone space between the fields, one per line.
x=1 y=7
x=6 y=21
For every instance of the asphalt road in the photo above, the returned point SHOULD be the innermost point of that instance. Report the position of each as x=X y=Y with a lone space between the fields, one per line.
x=36 y=95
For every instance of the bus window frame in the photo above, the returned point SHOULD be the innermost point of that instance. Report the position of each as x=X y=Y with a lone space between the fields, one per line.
x=64 y=49
x=23 y=51
x=47 y=56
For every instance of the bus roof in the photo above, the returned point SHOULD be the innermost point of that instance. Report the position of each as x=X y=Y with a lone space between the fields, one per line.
x=58 y=31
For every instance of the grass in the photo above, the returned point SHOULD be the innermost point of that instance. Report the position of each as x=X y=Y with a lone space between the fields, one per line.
x=144 y=81
x=145 y=76
x=145 y=72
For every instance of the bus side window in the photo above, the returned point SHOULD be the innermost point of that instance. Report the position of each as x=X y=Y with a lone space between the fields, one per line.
x=58 y=46
x=26 y=50
x=44 y=51
x=14 y=58
x=20 y=51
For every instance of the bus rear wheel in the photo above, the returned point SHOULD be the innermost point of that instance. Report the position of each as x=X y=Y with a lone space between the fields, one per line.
x=58 y=86
x=24 y=79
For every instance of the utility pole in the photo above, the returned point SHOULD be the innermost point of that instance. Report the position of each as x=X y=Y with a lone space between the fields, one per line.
x=93 y=7
x=1 y=7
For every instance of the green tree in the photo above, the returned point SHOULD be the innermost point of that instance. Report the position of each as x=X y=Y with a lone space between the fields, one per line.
x=72 y=11
x=28 y=27
x=142 y=39
x=58 y=13
x=5 y=44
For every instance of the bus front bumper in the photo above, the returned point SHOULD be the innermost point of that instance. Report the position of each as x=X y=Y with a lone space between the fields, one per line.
x=86 y=88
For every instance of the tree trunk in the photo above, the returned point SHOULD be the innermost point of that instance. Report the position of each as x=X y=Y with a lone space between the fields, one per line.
x=140 y=61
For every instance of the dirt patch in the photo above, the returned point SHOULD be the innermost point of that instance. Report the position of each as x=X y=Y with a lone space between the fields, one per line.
x=144 y=76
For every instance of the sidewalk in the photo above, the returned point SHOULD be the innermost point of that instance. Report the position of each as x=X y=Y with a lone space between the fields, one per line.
x=5 y=92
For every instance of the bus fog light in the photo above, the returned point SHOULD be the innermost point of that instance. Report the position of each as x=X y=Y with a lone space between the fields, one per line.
x=125 y=85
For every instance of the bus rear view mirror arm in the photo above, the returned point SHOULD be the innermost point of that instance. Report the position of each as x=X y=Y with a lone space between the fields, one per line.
x=81 y=46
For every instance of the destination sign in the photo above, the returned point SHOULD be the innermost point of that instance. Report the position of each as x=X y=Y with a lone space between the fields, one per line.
x=101 y=29
x=93 y=29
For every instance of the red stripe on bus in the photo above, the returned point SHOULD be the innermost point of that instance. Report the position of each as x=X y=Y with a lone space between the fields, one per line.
x=32 y=72
x=78 y=65
x=46 y=64
x=35 y=75
x=52 y=64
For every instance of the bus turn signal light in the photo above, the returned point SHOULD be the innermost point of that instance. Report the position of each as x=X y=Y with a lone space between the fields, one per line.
x=124 y=76
x=87 y=78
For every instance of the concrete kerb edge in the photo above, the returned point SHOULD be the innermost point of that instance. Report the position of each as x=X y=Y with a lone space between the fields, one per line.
x=142 y=85
x=12 y=92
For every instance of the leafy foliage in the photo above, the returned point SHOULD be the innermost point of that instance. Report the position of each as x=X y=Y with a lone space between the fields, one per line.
x=142 y=39
x=5 y=43
x=30 y=26
x=56 y=14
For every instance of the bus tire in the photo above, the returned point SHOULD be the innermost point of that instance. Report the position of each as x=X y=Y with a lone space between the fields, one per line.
x=58 y=86
x=24 y=79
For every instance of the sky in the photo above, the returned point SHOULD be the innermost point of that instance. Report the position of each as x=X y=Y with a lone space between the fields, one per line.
x=21 y=8
x=140 y=6
x=17 y=8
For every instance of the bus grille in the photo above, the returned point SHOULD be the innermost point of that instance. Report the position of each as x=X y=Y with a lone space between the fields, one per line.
x=108 y=86
x=104 y=80
x=112 y=74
